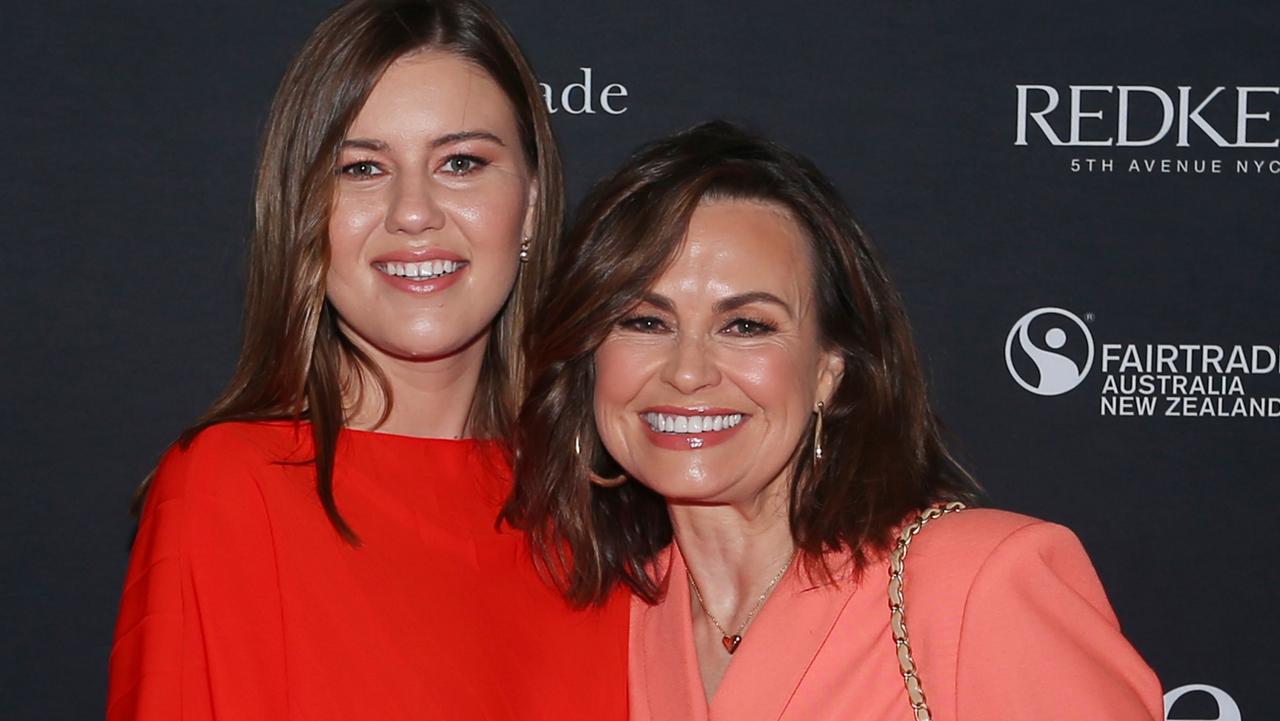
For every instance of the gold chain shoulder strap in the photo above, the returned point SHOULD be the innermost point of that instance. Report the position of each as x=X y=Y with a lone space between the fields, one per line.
x=898 y=618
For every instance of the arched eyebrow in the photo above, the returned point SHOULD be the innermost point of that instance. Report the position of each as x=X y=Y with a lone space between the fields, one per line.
x=443 y=140
x=466 y=135
x=724 y=305
x=661 y=302
x=734 y=302
x=364 y=144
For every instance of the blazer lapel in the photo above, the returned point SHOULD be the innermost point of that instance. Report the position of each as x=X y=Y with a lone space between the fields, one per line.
x=778 y=648
x=666 y=682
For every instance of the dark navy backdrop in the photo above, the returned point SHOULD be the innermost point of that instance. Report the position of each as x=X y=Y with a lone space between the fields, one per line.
x=130 y=133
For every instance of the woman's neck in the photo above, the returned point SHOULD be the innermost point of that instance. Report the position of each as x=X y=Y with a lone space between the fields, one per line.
x=732 y=552
x=430 y=398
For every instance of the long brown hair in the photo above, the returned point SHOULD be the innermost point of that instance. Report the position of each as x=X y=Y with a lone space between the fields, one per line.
x=294 y=361
x=883 y=451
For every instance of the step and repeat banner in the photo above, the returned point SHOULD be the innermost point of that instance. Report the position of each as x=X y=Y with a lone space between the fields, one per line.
x=1080 y=203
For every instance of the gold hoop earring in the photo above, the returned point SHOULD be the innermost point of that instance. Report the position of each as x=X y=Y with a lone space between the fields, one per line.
x=524 y=249
x=817 y=436
x=592 y=475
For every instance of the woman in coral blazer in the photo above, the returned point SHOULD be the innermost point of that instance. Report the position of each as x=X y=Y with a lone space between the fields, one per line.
x=735 y=372
x=1007 y=621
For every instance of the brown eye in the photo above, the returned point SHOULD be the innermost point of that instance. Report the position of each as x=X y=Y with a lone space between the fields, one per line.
x=362 y=169
x=463 y=164
x=643 y=324
x=750 y=327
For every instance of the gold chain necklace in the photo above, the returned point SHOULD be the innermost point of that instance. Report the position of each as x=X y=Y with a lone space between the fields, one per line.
x=731 y=641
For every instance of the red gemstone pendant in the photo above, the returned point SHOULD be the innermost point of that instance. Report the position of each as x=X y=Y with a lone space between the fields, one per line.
x=731 y=643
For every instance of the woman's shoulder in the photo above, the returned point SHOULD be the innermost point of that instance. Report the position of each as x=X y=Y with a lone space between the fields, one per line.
x=976 y=533
x=985 y=547
x=210 y=499
x=1010 y=602
x=226 y=459
x=244 y=442
x=951 y=551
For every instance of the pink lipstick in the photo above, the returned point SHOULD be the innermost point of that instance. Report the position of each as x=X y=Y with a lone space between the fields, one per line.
x=687 y=429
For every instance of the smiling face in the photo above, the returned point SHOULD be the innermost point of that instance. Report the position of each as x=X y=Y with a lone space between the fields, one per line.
x=704 y=390
x=433 y=197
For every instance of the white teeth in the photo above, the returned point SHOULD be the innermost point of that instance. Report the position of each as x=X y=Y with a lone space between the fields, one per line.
x=667 y=423
x=425 y=269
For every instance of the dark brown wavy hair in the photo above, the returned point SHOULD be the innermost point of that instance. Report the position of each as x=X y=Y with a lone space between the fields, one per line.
x=294 y=361
x=883 y=451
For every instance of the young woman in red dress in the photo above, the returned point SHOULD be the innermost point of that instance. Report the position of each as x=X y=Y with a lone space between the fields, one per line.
x=322 y=544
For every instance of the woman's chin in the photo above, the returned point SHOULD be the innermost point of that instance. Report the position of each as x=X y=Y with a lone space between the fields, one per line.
x=424 y=345
x=689 y=486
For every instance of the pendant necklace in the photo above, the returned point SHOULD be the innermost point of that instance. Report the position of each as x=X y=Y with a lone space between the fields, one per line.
x=731 y=641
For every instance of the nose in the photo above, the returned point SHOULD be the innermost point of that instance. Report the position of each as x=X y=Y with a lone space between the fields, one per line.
x=413 y=209
x=690 y=368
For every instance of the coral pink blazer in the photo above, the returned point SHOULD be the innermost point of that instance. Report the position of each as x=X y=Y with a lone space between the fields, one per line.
x=1007 y=621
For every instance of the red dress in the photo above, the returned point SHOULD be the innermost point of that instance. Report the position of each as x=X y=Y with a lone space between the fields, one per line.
x=242 y=603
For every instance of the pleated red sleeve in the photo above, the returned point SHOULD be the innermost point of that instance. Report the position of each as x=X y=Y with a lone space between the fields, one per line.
x=199 y=634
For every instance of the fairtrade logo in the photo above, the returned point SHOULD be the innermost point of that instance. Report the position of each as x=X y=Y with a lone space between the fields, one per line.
x=1049 y=351
x=1227 y=708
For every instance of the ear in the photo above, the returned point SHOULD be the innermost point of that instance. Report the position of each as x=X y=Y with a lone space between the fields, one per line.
x=830 y=371
x=530 y=209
